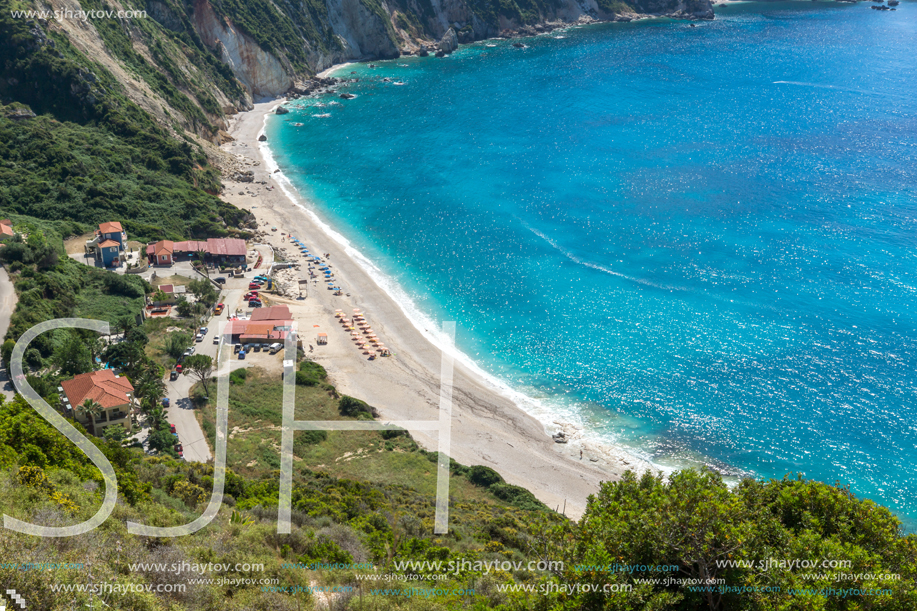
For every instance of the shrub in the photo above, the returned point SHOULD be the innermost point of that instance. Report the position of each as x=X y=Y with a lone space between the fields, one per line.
x=485 y=477
x=353 y=408
x=392 y=434
x=304 y=379
x=238 y=376
x=309 y=438
x=516 y=496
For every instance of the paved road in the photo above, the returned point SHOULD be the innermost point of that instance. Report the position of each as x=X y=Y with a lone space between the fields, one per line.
x=180 y=411
x=7 y=304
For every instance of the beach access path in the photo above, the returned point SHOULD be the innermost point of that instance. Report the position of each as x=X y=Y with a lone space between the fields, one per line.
x=488 y=428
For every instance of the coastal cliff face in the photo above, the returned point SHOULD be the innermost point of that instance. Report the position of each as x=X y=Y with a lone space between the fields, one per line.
x=189 y=63
x=260 y=72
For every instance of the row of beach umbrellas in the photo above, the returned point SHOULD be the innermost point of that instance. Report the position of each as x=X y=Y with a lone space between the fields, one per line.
x=362 y=333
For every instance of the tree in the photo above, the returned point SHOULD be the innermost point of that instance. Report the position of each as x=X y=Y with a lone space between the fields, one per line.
x=203 y=291
x=92 y=410
x=115 y=434
x=183 y=306
x=72 y=356
x=148 y=387
x=175 y=344
x=125 y=324
x=201 y=366
x=124 y=355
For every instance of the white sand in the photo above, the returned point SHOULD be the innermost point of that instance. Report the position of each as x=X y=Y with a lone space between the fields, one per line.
x=488 y=428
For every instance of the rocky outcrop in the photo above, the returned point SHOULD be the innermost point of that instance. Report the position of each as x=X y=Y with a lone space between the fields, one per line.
x=261 y=72
x=450 y=42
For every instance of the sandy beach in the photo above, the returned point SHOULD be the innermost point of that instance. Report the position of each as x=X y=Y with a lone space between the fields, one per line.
x=488 y=427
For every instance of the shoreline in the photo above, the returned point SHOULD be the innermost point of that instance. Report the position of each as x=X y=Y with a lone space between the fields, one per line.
x=489 y=427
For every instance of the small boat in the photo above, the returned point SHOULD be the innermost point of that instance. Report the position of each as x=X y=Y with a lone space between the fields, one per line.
x=398 y=83
x=297 y=125
x=322 y=116
x=491 y=45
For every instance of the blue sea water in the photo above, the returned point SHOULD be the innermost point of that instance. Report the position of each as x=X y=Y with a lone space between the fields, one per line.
x=696 y=241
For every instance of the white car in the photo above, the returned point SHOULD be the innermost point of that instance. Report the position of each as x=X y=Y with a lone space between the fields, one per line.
x=199 y=337
x=216 y=339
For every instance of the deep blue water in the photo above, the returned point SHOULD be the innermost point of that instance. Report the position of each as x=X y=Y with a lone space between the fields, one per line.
x=699 y=242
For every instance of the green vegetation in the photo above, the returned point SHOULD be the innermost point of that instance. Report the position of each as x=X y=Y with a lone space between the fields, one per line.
x=51 y=285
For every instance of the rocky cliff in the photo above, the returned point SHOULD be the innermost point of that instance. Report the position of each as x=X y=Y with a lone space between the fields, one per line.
x=189 y=63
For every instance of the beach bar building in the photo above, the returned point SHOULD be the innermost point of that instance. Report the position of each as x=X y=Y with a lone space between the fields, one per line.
x=267 y=325
x=230 y=251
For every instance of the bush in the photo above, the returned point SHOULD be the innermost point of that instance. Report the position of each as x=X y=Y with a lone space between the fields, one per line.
x=313 y=369
x=353 y=408
x=516 y=496
x=237 y=377
x=308 y=438
x=392 y=434
x=304 y=379
x=485 y=477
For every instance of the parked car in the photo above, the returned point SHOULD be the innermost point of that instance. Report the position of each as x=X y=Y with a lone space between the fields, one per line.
x=254 y=304
x=256 y=347
x=204 y=330
x=179 y=450
x=260 y=278
x=219 y=309
x=276 y=347
x=188 y=352
x=172 y=428
x=220 y=280
x=165 y=401
x=199 y=337
x=241 y=355
x=216 y=339
x=253 y=286
x=173 y=375
x=178 y=368
x=236 y=349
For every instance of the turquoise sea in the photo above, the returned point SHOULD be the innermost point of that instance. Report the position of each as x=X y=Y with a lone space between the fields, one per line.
x=700 y=242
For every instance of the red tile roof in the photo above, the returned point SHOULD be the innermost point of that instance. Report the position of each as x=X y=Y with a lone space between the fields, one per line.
x=226 y=246
x=6 y=222
x=108 y=243
x=166 y=288
x=280 y=312
x=191 y=246
x=255 y=328
x=103 y=387
x=6 y=230
x=110 y=227
x=163 y=247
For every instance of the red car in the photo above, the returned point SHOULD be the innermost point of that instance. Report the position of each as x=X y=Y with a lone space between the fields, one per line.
x=253 y=286
x=251 y=295
x=172 y=428
x=179 y=450
x=178 y=368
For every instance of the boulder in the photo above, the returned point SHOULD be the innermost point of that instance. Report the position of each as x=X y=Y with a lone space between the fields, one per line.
x=262 y=138
x=281 y=110
x=449 y=43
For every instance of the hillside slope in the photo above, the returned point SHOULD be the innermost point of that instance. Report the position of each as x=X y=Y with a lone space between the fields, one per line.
x=189 y=63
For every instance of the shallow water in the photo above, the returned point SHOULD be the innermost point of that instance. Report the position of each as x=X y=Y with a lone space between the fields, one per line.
x=699 y=242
